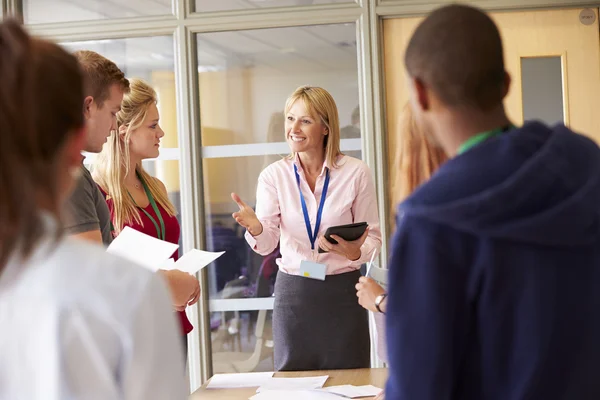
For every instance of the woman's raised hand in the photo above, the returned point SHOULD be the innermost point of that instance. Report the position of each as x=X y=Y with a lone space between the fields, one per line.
x=246 y=217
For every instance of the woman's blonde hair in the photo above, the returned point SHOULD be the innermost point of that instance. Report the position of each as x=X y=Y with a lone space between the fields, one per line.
x=112 y=164
x=321 y=106
x=417 y=158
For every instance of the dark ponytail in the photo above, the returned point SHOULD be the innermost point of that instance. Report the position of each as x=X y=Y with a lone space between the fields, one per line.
x=41 y=100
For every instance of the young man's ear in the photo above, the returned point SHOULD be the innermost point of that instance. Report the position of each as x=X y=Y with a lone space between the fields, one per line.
x=421 y=94
x=88 y=102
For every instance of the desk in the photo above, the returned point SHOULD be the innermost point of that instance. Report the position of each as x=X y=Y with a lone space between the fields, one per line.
x=358 y=377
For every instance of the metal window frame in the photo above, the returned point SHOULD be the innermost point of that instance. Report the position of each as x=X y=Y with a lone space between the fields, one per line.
x=12 y=8
x=183 y=24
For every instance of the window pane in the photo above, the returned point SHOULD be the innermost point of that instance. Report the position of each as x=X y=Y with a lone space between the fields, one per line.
x=223 y=5
x=245 y=78
x=239 y=266
x=541 y=78
x=242 y=341
x=46 y=11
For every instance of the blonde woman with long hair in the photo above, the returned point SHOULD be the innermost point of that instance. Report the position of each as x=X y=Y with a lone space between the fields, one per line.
x=317 y=323
x=135 y=198
x=417 y=159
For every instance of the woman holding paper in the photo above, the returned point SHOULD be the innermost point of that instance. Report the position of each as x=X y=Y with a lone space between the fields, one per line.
x=417 y=160
x=317 y=322
x=135 y=198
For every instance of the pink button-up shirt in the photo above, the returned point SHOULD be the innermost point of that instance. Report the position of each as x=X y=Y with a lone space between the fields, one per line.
x=350 y=198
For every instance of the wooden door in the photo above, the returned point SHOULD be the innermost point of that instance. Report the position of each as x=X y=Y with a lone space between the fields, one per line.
x=553 y=34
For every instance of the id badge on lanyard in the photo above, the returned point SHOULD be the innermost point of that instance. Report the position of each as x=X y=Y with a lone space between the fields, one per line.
x=312 y=269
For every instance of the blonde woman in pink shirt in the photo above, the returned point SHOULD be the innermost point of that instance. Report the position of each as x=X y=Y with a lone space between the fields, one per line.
x=317 y=322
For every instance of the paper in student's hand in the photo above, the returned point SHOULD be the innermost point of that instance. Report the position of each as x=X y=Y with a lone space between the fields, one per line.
x=167 y=265
x=370 y=264
x=142 y=249
x=194 y=260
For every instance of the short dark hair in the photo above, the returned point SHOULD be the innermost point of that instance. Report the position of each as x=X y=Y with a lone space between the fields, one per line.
x=100 y=74
x=457 y=52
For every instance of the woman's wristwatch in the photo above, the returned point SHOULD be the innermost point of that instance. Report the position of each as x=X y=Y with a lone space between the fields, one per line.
x=378 y=300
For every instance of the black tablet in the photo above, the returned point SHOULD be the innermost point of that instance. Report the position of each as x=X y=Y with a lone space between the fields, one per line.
x=350 y=232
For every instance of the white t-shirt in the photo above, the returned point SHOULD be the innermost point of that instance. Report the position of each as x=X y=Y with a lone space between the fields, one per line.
x=78 y=323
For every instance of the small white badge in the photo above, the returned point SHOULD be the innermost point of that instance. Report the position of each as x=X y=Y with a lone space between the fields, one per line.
x=313 y=270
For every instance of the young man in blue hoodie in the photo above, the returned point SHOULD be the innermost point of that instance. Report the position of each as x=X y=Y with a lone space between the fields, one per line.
x=495 y=269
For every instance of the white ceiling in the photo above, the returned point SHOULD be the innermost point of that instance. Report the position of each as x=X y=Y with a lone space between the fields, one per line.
x=220 y=5
x=277 y=51
x=43 y=11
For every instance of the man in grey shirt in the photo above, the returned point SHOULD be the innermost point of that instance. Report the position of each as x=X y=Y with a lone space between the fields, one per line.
x=86 y=214
x=86 y=211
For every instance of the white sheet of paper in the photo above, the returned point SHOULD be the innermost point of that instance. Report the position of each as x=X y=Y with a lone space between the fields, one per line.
x=142 y=249
x=353 y=392
x=228 y=381
x=167 y=264
x=370 y=264
x=312 y=382
x=194 y=260
x=295 y=395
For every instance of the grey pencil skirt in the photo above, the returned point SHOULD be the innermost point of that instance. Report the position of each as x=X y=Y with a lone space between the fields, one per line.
x=319 y=324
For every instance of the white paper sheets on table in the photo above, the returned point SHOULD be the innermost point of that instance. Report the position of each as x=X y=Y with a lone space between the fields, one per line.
x=155 y=254
x=233 y=381
x=312 y=382
x=328 y=393
x=295 y=395
x=353 y=392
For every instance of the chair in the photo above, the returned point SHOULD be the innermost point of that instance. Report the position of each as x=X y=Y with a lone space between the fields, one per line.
x=237 y=361
x=232 y=361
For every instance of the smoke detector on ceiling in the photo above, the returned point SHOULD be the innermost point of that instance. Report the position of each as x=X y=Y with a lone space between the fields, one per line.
x=346 y=43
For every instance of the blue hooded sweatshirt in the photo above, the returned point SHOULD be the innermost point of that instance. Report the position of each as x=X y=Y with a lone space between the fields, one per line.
x=494 y=281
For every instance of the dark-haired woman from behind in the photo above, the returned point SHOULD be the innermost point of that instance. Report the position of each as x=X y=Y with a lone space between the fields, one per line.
x=76 y=322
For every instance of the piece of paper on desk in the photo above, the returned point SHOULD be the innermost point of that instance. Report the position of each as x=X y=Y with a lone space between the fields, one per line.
x=230 y=381
x=193 y=261
x=142 y=249
x=295 y=395
x=312 y=382
x=353 y=392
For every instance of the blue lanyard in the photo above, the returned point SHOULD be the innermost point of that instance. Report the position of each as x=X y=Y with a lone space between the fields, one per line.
x=313 y=237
